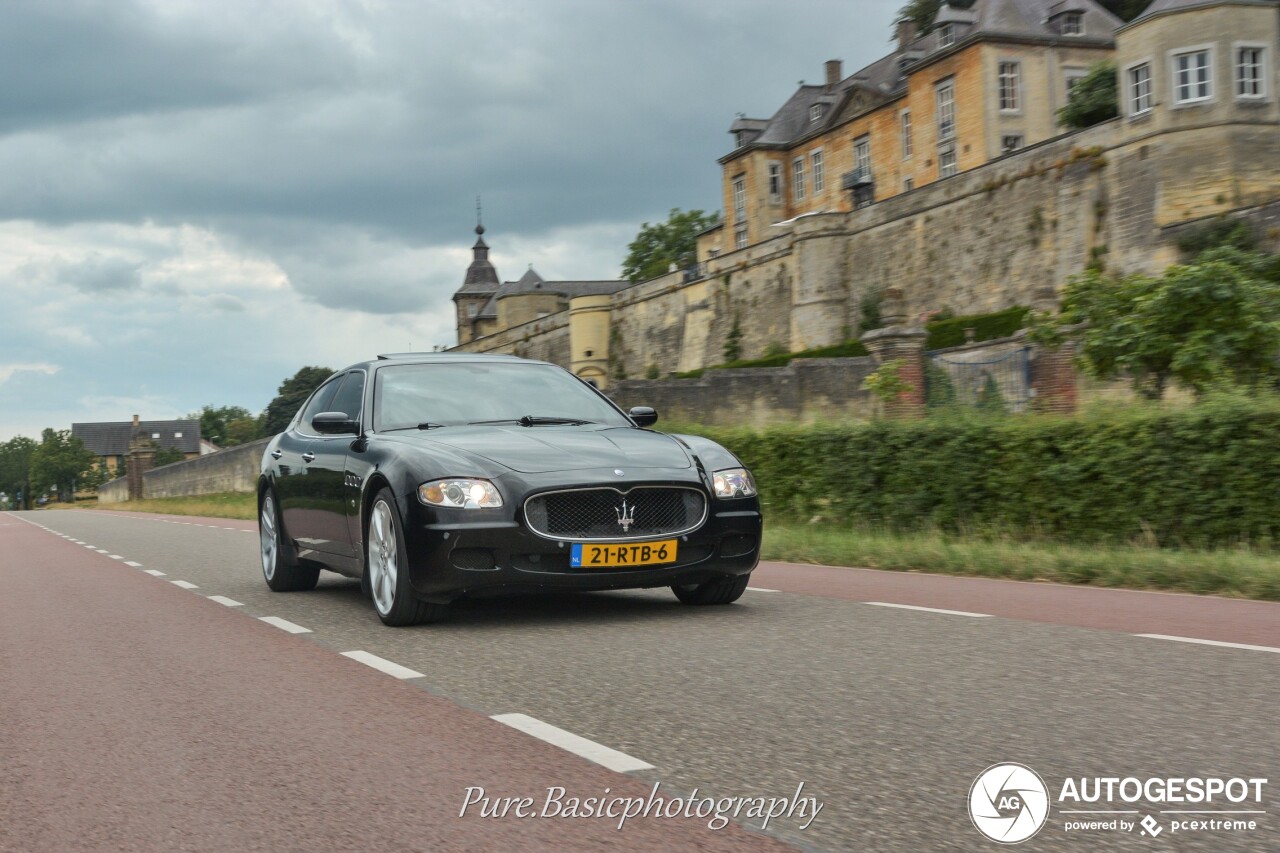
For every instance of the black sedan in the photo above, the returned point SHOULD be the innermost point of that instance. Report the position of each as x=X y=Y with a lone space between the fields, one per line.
x=435 y=476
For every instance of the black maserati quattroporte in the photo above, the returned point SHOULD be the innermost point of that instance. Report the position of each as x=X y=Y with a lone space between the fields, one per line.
x=436 y=476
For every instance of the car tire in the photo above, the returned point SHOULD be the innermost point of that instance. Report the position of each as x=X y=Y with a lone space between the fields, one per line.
x=280 y=566
x=724 y=590
x=385 y=573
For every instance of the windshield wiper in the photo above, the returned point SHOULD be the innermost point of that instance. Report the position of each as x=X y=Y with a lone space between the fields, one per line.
x=429 y=425
x=535 y=420
x=426 y=425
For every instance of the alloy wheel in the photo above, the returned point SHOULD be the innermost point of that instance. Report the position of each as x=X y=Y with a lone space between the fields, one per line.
x=383 y=557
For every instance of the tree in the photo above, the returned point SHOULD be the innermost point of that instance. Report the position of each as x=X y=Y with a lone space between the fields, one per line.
x=658 y=246
x=242 y=431
x=214 y=421
x=168 y=455
x=60 y=460
x=292 y=393
x=1213 y=322
x=1093 y=98
x=15 y=469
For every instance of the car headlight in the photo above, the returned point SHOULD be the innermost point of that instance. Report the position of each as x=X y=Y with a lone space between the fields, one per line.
x=734 y=483
x=460 y=494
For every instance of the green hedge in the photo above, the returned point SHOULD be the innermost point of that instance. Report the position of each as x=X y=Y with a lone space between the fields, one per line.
x=950 y=332
x=1205 y=476
x=848 y=349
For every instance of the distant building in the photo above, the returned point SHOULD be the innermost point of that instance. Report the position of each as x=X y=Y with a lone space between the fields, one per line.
x=109 y=441
x=485 y=307
x=984 y=82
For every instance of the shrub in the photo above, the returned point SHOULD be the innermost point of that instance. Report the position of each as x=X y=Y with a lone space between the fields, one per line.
x=1202 y=476
x=949 y=332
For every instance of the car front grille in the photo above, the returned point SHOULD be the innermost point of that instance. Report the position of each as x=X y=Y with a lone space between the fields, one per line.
x=608 y=514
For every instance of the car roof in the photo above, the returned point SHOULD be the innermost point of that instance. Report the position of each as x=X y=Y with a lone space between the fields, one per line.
x=440 y=358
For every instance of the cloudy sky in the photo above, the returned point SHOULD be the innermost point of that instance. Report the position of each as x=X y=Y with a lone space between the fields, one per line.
x=197 y=198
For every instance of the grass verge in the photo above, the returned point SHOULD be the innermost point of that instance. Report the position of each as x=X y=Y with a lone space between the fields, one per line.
x=1238 y=573
x=242 y=505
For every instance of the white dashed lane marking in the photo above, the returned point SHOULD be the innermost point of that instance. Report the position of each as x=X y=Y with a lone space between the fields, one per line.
x=154 y=573
x=222 y=599
x=1245 y=646
x=759 y=589
x=132 y=563
x=605 y=756
x=115 y=556
x=184 y=584
x=931 y=609
x=285 y=625
x=394 y=670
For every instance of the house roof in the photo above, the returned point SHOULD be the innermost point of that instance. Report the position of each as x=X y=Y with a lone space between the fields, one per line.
x=1161 y=6
x=532 y=282
x=112 y=438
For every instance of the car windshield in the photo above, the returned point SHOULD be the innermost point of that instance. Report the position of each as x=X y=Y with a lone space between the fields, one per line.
x=453 y=394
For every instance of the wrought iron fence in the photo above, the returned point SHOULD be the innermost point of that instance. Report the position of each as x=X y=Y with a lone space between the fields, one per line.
x=994 y=384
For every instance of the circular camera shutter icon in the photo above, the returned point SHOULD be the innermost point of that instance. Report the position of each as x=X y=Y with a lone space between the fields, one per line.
x=1009 y=803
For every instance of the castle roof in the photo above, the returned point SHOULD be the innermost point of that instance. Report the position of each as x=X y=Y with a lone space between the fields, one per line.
x=1161 y=6
x=481 y=276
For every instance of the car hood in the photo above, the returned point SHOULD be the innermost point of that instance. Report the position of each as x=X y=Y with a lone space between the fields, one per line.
x=540 y=449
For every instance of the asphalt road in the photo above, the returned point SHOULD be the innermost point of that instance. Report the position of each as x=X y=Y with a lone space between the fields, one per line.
x=142 y=715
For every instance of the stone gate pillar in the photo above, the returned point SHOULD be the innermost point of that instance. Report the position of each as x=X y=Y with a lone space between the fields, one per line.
x=141 y=459
x=900 y=340
x=1053 y=371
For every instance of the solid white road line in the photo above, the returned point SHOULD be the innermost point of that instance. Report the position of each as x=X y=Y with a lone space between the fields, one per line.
x=394 y=670
x=184 y=584
x=154 y=573
x=222 y=599
x=132 y=563
x=1245 y=646
x=930 y=609
x=760 y=589
x=285 y=625
x=599 y=753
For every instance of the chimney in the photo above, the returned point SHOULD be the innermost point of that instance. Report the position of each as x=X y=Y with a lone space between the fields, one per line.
x=906 y=34
x=833 y=73
x=135 y=421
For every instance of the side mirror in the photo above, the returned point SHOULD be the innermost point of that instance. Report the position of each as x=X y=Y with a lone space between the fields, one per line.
x=334 y=423
x=643 y=415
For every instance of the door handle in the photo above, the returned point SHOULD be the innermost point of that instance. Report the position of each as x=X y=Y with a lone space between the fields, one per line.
x=308 y=456
x=276 y=454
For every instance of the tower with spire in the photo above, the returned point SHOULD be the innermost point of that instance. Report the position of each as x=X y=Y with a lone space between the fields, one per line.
x=478 y=287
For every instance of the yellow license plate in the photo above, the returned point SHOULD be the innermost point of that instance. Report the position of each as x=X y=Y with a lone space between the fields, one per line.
x=616 y=555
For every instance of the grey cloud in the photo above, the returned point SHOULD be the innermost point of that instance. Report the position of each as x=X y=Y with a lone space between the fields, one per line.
x=99 y=274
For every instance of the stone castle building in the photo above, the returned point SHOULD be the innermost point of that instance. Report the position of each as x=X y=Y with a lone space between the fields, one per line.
x=938 y=170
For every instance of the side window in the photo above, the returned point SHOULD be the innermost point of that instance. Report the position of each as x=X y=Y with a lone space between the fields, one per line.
x=319 y=403
x=349 y=396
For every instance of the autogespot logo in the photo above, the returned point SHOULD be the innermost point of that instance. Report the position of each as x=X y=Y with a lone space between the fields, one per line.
x=1008 y=803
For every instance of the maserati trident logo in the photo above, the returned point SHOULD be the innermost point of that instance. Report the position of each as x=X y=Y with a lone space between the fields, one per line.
x=626 y=516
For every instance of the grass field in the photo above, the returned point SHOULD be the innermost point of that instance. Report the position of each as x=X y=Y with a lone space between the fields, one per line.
x=1240 y=573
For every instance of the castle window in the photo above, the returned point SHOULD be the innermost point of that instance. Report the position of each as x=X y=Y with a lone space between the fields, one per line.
x=1250 y=65
x=818 y=171
x=472 y=309
x=947 y=160
x=908 y=184
x=1192 y=78
x=739 y=199
x=1009 y=85
x=905 y=120
x=862 y=155
x=775 y=182
x=797 y=178
x=1010 y=142
x=1073 y=24
x=946 y=108
x=1139 y=81
x=815 y=112
x=740 y=237
x=946 y=35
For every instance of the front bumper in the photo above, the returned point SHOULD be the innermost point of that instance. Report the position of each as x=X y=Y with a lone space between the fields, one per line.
x=493 y=552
